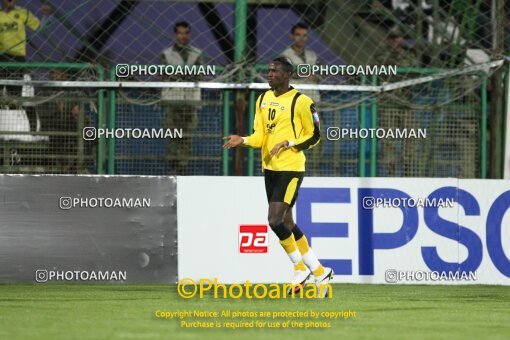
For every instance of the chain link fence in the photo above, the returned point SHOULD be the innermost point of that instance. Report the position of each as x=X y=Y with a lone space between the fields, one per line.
x=453 y=121
x=42 y=128
x=198 y=152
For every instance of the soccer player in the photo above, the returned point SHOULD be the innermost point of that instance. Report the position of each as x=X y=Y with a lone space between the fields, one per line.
x=286 y=123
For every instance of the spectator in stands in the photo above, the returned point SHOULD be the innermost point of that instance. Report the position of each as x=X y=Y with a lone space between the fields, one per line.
x=13 y=35
x=59 y=115
x=181 y=105
x=299 y=54
x=396 y=52
x=13 y=40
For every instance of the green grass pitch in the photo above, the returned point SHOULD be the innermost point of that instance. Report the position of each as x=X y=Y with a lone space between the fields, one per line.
x=72 y=311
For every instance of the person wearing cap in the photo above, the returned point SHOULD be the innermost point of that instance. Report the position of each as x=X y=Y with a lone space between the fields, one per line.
x=396 y=52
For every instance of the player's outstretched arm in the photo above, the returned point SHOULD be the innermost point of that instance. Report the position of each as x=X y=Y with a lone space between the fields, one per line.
x=252 y=141
x=232 y=141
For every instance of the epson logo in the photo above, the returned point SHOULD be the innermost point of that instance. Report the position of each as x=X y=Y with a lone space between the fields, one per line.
x=474 y=236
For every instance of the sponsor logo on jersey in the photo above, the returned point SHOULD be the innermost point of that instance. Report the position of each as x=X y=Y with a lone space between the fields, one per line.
x=270 y=128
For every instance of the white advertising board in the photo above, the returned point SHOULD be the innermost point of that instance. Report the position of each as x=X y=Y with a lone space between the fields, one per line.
x=370 y=230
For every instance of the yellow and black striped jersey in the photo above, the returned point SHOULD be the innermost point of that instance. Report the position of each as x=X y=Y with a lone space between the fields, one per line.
x=13 y=35
x=290 y=116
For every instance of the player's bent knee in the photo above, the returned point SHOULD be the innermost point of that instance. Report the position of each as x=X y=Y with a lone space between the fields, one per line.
x=274 y=221
x=281 y=231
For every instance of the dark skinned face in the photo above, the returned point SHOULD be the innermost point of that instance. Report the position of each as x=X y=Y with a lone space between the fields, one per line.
x=8 y=4
x=277 y=76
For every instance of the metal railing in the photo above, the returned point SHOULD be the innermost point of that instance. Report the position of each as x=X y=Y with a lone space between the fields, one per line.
x=352 y=158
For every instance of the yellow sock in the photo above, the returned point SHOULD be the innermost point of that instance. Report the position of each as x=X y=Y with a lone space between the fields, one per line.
x=300 y=266
x=302 y=244
x=309 y=257
x=291 y=248
x=319 y=271
x=289 y=244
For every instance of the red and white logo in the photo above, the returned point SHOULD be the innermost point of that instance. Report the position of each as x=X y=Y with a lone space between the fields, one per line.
x=253 y=239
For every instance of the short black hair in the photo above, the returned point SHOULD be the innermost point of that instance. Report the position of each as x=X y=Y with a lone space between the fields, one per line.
x=287 y=65
x=181 y=24
x=299 y=25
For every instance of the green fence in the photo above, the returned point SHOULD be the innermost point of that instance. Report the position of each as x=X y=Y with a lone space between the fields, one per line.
x=454 y=113
x=41 y=128
x=455 y=118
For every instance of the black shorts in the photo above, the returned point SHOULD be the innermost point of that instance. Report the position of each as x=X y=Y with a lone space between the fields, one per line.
x=283 y=186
